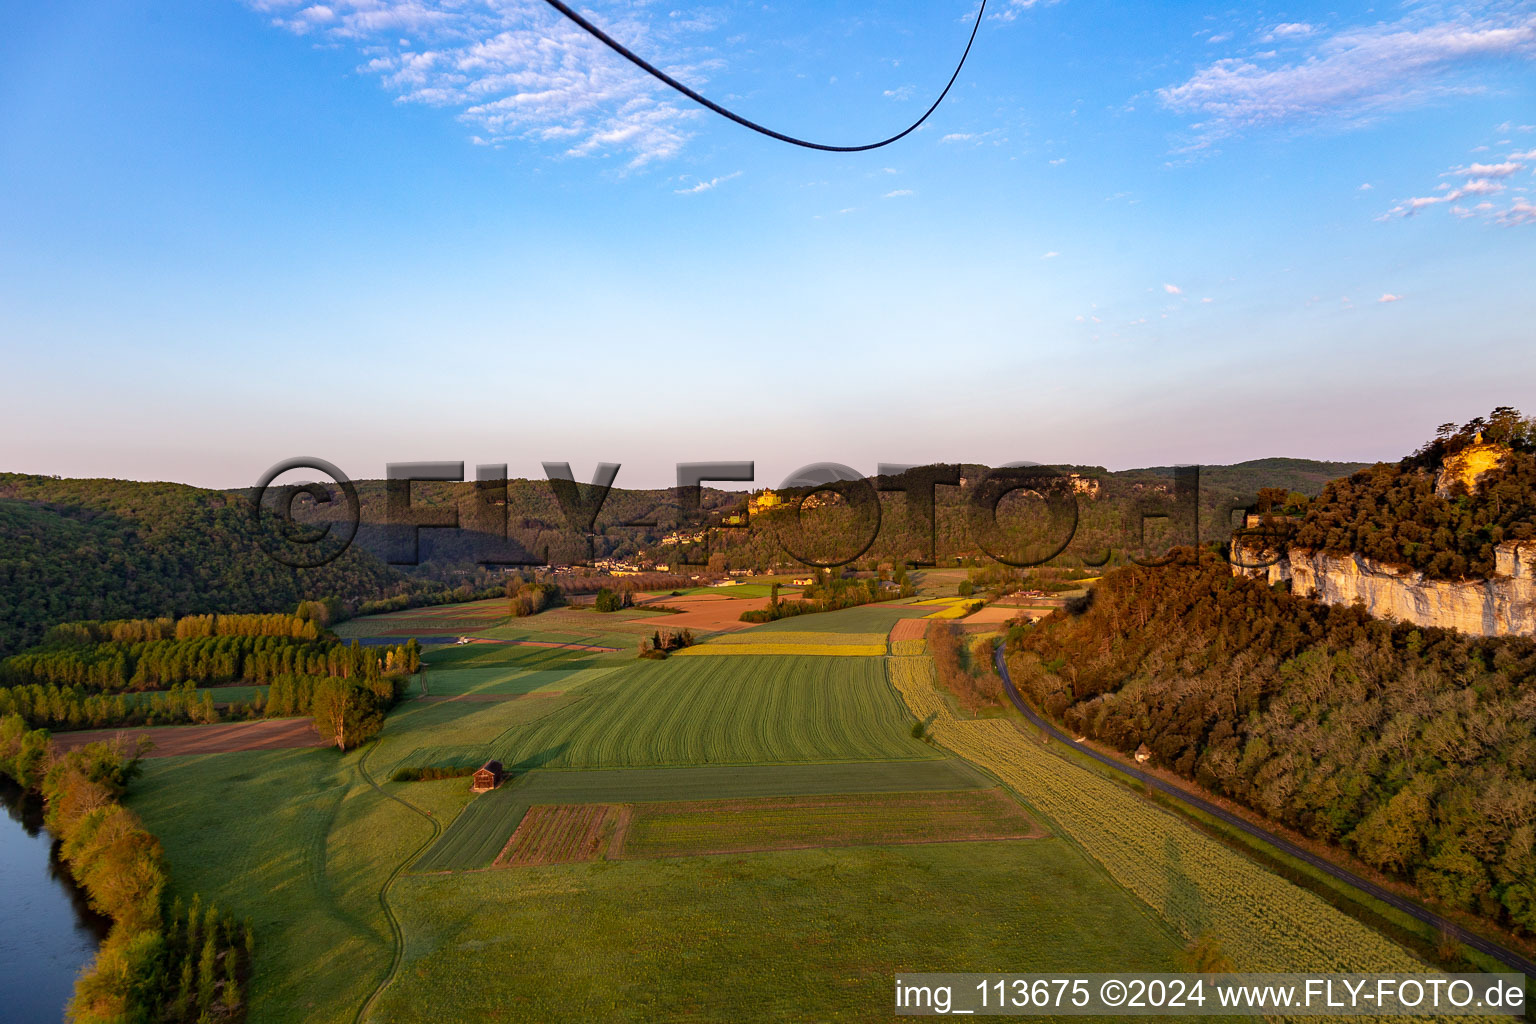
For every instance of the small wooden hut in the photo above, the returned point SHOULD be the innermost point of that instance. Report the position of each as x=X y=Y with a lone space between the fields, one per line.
x=487 y=777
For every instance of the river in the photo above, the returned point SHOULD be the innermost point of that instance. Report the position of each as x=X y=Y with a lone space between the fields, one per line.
x=47 y=932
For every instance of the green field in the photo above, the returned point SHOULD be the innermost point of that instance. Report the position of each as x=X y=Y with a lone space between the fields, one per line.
x=786 y=823
x=723 y=711
x=482 y=828
x=741 y=591
x=805 y=935
x=477 y=834
x=764 y=646
x=507 y=670
x=601 y=632
x=699 y=710
x=441 y=619
x=508 y=657
x=826 y=644
x=501 y=682
x=749 y=638
x=589 y=620
x=869 y=618
x=437 y=734
x=296 y=842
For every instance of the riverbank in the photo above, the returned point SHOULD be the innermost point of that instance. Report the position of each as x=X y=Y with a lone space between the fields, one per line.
x=48 y=932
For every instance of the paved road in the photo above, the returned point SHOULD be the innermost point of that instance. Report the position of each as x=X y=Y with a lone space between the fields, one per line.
x=1514 y=961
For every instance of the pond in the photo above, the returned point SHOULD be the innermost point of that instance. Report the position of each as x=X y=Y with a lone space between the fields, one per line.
x=47 y=931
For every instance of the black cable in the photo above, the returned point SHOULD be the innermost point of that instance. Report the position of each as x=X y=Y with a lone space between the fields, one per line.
x=655 y=72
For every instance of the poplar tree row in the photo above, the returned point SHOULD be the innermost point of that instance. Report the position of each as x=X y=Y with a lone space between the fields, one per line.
x=114 y=666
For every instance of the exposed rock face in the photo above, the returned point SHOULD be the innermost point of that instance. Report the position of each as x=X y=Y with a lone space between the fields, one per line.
x=1502 y=605
x=1468 y=466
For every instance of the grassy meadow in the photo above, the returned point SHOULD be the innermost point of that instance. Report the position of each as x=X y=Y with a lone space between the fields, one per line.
x=692 y=828
x=475 y=836
x=802 y=935
x=723 y=711
x=295 y=841
x=868 y=618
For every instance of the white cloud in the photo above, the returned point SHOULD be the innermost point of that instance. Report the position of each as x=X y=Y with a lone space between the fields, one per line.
x=1173 y=289
x=1350 y=75
x=1479 y=180
x=1480 y=187
x=902 y=93
x=1289 y=30
x=1013 y=8
x=515 y=70
x=1050 y=255
x=1389 y=297
x=957 y=137
x=1366 y=187
x=705 y=186
x=1207 y=299
x=1503 y=170
x=899 y=193
x=1522 y=211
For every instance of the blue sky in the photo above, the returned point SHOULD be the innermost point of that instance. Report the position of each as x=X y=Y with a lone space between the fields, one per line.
x=394 y=230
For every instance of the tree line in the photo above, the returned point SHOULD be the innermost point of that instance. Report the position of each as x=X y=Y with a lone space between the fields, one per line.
x=1412 y=749
x=80 y=679
x=65 y=708
x=115 y=666
x=830 y=593
x=304 y=624
x=966 y=672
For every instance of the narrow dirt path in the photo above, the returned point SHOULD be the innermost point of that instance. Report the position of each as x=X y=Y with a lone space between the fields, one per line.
x=397 y=933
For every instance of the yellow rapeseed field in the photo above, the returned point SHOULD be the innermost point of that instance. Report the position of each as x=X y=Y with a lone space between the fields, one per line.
x=794 y=637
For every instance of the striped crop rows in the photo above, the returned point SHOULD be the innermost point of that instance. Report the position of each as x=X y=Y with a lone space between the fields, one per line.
x=837 y=650
x=723 y=711
x=784 y=636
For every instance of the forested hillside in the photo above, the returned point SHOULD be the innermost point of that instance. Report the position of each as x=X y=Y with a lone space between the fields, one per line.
x=113 y=549
x=107 y=549
x=1413 y=749
x=634 y=522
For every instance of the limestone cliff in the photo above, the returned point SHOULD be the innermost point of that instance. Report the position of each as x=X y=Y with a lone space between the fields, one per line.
x=1502 y=605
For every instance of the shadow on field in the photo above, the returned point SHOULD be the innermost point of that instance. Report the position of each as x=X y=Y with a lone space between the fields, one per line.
x=510 y=655
x=538 y=760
